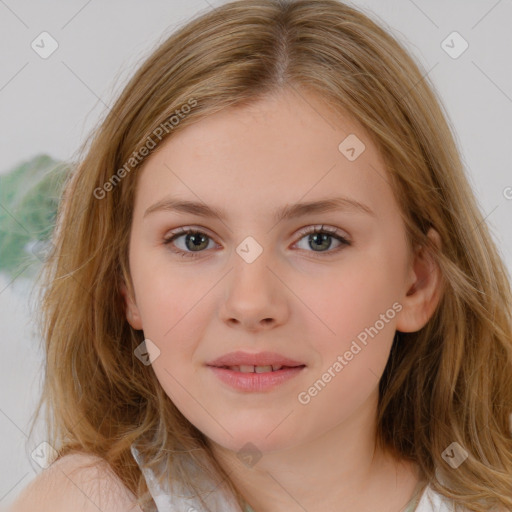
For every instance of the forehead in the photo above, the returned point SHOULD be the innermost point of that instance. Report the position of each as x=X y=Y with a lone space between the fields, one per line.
x=282 y=149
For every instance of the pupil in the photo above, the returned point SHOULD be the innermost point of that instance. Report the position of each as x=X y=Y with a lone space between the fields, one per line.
x=323 y=238
x=196 y=239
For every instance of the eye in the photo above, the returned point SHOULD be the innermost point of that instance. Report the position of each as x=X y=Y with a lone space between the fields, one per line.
x=196 y=240
x=322 y=238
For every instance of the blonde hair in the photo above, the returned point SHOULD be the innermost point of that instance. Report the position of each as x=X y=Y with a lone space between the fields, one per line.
x=449 y=382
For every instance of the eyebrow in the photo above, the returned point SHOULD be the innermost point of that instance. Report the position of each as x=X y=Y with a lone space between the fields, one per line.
x=284 y=213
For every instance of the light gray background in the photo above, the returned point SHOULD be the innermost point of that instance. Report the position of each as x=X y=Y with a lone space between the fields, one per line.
x=50 y=105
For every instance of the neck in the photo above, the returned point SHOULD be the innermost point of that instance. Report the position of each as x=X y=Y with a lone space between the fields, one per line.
x=342 y=469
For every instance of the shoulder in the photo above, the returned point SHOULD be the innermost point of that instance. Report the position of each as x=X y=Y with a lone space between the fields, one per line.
x=77 y=481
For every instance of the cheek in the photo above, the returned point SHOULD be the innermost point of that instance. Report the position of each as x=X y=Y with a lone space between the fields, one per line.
x=353 y=315
x=165 y=295
x=174 y=311
x=349 y=300
x=353 y=342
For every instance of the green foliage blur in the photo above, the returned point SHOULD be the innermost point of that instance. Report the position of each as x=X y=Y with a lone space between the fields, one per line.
x=29 y=196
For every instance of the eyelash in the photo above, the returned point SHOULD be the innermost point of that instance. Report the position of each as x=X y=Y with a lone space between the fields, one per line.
x=307 y=231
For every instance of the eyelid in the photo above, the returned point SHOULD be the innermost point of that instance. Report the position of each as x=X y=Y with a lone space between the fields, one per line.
x=323 y=228
x=186 y=229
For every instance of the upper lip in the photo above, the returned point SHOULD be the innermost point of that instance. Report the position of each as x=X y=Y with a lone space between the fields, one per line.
x=258 y=359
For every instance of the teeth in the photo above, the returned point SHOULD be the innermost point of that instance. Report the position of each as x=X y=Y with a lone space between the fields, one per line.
x=255 y=369
x=262 y=369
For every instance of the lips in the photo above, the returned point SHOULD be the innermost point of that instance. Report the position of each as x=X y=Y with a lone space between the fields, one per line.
x=256 y=382
x=255 y=369
x=260 y=362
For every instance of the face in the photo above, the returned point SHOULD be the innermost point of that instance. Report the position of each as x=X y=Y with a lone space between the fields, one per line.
x=254 y=282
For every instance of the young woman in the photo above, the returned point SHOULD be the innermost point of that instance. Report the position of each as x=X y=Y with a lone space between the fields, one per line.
x=272 y=288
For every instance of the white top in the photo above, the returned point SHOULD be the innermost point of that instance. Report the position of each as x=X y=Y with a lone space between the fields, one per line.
x=180 y=500
x=432 y=501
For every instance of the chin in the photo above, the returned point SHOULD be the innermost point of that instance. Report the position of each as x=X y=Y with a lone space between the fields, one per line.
x=254 y=442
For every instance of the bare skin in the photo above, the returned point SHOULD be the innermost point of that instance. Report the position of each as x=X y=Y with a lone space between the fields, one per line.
x=302 y=302
x=76 y=481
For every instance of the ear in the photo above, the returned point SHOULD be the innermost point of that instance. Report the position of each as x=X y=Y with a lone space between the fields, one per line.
x=131 y=310
x=423 y=289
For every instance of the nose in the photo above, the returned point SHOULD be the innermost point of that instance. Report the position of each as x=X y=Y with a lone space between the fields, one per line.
x=255 y=298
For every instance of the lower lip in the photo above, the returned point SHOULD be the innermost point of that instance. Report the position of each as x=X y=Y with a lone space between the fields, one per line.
x=255 y=382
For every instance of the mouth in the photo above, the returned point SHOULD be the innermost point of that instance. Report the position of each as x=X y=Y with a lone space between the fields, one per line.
x=259 y=379
x=260 y=362
x=258 y=369
x=255 y=373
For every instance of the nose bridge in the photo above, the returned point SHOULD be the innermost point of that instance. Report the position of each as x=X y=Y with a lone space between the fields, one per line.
x=251 y=262
x=253 y=296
